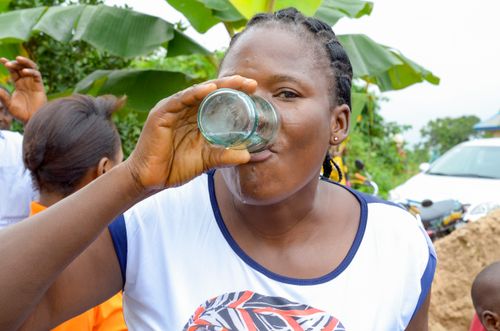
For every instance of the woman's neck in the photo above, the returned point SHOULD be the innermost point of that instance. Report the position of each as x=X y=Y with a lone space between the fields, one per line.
x=47 y=199
x=278 y=221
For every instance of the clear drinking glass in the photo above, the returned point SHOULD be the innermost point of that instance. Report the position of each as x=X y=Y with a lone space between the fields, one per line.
x=236 y=120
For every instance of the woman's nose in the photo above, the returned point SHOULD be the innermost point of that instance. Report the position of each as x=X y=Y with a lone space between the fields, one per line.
x=263 y=93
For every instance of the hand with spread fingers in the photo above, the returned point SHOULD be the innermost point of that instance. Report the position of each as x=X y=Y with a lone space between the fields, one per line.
x=171 y=150
x=29 y=94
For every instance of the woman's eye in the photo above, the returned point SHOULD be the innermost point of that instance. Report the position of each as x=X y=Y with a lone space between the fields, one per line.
x=287 y=95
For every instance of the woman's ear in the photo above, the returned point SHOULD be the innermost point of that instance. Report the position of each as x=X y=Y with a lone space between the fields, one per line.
x=103 y=166
x=339 y=125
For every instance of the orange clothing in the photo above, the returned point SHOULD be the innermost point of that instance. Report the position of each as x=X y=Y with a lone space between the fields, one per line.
x=107 y=316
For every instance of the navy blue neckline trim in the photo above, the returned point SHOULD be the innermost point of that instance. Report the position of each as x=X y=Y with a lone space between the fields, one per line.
x=284 y=279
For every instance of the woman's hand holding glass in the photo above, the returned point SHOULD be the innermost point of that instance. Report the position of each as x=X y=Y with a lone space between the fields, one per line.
x=171 y=150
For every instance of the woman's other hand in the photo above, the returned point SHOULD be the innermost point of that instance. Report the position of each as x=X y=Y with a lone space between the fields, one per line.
x=171 y=149
x=29 y=94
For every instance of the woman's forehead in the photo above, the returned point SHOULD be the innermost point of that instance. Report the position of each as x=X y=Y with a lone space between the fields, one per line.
x=280 y=51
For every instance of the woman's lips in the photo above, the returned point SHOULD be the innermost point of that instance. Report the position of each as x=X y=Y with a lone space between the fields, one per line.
x=260 y=156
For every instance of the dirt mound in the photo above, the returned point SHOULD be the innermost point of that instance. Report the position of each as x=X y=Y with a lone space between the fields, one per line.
x=461 y=256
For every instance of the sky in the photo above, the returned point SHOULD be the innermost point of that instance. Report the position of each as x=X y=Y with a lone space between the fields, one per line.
x=457 y=40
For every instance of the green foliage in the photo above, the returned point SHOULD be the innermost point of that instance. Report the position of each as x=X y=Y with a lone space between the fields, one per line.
x=119 y=31
x=129 y=126
x=143 y=88
x=145 y=80
x=4 y=5
x=199 y=15
x=331 y=11
x=25 y=4
x=382 y=160
x=198 y=66
x=374 y=63
x=8 y=51
x=381 y=65
x=17 y=126
x=372 y=141
x=65 y=64
x=250 y=8
x=203 y=14
x=443 y=133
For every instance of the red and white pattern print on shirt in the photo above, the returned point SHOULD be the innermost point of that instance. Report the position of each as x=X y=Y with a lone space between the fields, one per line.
x=248 y=311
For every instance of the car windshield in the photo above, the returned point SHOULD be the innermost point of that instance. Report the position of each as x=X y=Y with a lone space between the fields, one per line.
x=469 y=161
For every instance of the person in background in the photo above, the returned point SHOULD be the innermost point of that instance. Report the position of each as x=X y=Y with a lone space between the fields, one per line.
x=485 y=294
x=67 y=144
x=16 y=189
x=334 y=167
x=5 y=117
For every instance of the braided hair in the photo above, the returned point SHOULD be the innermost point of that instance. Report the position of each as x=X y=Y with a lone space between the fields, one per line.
x=321 y=34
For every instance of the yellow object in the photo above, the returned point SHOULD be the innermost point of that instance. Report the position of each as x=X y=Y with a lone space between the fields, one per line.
x=107 y=316
x=452 y=217
x=334 y=176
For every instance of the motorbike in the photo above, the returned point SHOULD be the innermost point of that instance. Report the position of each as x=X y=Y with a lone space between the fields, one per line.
x=363 y=180
x=439 y=218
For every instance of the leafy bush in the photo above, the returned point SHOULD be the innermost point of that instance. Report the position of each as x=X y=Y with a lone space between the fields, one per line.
x=441 y=134
x=65 y=64
x=129 y=126
x=373 y=141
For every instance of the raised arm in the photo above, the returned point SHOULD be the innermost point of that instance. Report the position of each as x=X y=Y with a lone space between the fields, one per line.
x=29 y=94
x=170 y=152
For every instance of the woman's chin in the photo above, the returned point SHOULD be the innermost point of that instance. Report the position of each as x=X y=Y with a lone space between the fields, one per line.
x=260 y=198
x=251 y=186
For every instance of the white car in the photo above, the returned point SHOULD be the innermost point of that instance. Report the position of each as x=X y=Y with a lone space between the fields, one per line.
x=469 y=173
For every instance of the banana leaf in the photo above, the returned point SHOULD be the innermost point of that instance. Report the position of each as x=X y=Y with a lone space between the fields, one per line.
x=358 y=102
x=250 y=8
x=4 y=5
x=119 y=31
x=143 y=88
x=383 y=66
x=331 y=11
x=200 y=17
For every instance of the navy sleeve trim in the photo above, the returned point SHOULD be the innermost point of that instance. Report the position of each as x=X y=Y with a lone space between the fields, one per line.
x=426 y=281
x=118 y=232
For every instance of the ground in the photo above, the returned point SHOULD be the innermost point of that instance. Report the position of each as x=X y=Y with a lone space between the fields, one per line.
x=461 y=256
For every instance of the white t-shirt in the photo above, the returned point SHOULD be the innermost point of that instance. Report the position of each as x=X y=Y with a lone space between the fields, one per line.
x=16 y=189
x=183 y=271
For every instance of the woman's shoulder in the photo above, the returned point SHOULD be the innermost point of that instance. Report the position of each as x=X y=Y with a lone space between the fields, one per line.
x=393 y=229
x=386 y=213
x=398 y=236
